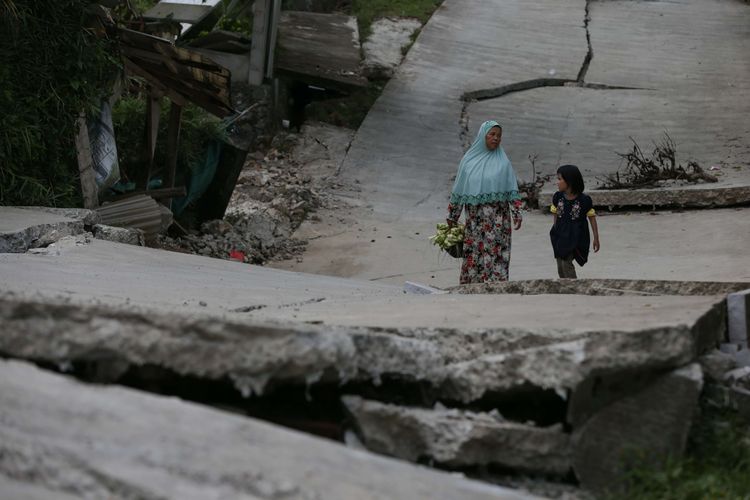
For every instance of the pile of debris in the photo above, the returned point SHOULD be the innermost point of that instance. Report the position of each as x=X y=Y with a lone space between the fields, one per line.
x=275 y=192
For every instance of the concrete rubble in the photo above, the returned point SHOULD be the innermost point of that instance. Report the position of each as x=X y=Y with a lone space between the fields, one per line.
x=277 y=190
x=119 y=234
x=651 y=423
x=22 y=229
x=458 y=438
x=608 y=287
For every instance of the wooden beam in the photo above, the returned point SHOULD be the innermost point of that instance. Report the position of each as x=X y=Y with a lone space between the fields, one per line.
x=135 y=69
x=259 y=42
x=153 y=112
x=273 y=34
x=178 y=90
x=173 y=143
x=86 y=164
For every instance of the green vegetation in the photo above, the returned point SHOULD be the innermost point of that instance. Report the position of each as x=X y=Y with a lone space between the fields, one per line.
x=54 y=65
x=239 y=24
x=368 y=11
x=198 y=129
x=717 y=465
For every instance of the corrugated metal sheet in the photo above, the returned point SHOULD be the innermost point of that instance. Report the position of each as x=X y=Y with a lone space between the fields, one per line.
x=138 y=212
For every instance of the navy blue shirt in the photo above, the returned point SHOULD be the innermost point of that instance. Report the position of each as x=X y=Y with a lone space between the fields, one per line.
x=570 y=234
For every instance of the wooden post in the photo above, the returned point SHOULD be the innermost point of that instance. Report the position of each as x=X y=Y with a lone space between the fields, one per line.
x=86 y=164
x=273 y=33
x=173 y=143
x=262 y=10
x=153 y=111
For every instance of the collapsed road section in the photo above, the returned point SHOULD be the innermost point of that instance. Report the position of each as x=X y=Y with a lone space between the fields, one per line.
x=518 y=377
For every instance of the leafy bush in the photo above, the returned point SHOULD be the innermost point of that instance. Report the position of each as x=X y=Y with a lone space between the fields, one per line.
x=54 y=66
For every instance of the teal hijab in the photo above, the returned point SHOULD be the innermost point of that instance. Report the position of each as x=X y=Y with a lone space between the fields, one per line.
x=484 y=176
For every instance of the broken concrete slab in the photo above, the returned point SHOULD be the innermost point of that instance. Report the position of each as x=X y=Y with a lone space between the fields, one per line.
x=693 y=196
x=459 y=438
x=25 y=228
x=63 y=245
x=716 y=364
x=88 y=217
x=319 y=47
x=58 y=308
x=169 y=281
x=607 y=287
x=697 y=196
x=738 y=352
x=253 y=349
x=650 y=425
x=738 y=306
x=68 y=438
x=119 y=235
x=568 y=366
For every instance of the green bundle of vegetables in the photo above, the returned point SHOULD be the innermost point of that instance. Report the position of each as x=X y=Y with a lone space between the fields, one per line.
x=450 y=239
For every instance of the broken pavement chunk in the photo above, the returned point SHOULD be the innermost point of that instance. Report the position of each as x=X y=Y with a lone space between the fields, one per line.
x=459 y=438
x=650 y=424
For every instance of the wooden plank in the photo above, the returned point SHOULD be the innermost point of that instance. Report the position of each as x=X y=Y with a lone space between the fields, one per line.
x=173 y=142
x=135 y=69
x=86 y=164
x=181 y=73
x=210 y=101
x=273 y=36
x=153 y=111
x=156 y=66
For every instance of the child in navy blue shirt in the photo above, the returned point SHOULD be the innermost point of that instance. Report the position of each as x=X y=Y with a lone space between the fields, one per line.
x=570 y=231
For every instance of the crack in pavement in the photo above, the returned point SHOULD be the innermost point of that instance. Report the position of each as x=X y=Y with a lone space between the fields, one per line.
x=408 y=274
x=302 y=303
x=496 y=92
x=590 y=54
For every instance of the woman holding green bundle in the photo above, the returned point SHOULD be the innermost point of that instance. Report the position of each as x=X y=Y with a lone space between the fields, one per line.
x=486 y=187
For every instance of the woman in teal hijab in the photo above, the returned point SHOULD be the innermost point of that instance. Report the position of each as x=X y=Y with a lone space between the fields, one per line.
x=486 y=187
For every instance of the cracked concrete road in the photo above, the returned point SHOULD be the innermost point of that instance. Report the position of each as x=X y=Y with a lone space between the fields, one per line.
x=687 y=65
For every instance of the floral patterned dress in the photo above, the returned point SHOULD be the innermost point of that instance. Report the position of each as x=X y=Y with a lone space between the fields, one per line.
x=486 y=239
